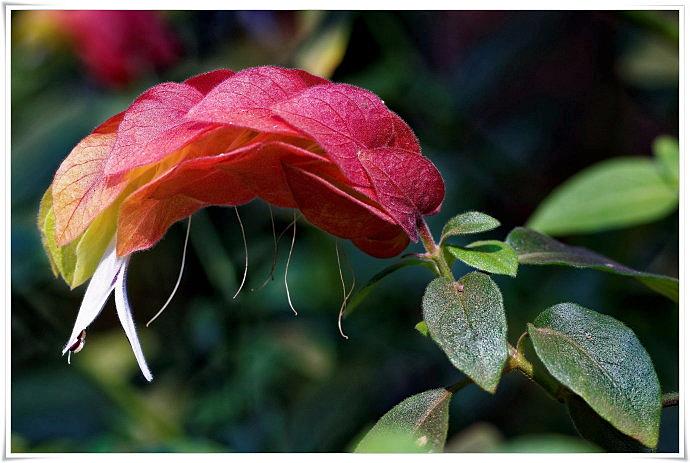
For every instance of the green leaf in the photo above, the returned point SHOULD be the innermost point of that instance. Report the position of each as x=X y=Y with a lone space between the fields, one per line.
x=547 y=443
x=91 y=246
x=666 y=150
x=601 y=360
x=466 y=319
x=62 y=259
x=537 y=249
x=490 y=256
x=374 y=281
x=76 y=261
x=422 y=328
x=46 y=226
x=616 y=193
x=468 y=223
x=418 y=423
x=599 y=431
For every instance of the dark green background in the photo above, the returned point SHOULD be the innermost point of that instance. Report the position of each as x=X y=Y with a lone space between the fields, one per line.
x=507 y=104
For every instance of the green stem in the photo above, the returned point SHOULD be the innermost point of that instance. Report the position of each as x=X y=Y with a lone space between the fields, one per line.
x=517 y=361
x=670 y=399
x=459 y=385
x=434 y=251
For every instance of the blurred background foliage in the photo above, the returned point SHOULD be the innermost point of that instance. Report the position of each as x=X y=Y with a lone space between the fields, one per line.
x=507 y=104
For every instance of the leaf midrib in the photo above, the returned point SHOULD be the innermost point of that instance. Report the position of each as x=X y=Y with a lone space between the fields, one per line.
x=418 y=424
x=568 y=339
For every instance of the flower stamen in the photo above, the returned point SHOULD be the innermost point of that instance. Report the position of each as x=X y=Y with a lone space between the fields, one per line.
x=97 y=293
x=275 y=251
x=287 y=264
x=179 y=277
x=345 y=295
x=77 y=346
x=246 y=254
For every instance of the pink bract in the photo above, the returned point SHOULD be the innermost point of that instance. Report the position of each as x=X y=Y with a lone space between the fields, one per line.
x=333 y=151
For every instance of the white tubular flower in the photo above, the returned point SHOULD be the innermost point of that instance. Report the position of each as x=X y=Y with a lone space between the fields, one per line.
x=110 y=274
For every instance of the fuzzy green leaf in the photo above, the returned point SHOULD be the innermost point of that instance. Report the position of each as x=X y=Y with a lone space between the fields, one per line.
x=599 y=431
x=490 y=256
x=46 y=226
x=533 y=248
x=615 y=193
x=468 y=223
x=76 y=261
x=422 y=328
x=63 y=259
x=467 y=320
x=601 y=360
x=417 y=424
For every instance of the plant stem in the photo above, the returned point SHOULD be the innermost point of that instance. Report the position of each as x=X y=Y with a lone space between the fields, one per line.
x=670 y=399
x=434 y=251
x=517 y=361
x=459 y=385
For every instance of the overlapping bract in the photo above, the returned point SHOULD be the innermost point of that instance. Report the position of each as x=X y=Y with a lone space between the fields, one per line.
x=333 y=151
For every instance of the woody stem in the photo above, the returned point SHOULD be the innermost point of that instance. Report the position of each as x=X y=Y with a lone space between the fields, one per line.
x=518 y=361
x=434 y=251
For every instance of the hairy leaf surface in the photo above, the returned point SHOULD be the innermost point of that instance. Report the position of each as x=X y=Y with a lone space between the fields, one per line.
x=533 y=248
x=602 y=361
x=466 y=319
x=418 y=423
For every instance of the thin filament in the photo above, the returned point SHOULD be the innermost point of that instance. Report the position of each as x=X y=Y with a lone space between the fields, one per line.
x=287 y=264
x=280 y=235
x=179 y=277
x=346 y=295
x=246 y=254
x=275 y=252
x=352 y=275
x=342 y=283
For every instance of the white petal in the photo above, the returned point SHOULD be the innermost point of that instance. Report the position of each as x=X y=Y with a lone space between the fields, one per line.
x=124 y=313
x=97 y=293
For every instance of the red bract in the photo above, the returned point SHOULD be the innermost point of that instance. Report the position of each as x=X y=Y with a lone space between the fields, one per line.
x=333 y=151
x=118 y=46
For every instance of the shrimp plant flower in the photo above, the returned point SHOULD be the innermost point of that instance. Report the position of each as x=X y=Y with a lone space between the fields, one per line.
x=335 y=152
